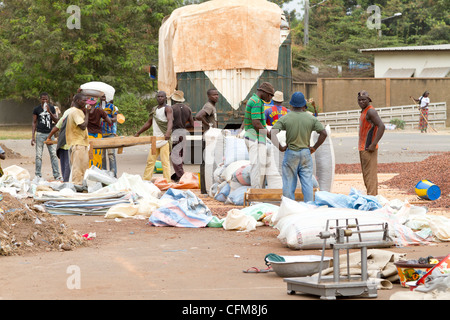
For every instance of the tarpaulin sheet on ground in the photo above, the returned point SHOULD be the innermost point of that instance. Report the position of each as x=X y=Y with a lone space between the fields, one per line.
x=81 y=203
x=186 y=210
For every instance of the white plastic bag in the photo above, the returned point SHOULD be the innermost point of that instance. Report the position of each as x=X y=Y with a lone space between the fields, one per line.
x=237 y=220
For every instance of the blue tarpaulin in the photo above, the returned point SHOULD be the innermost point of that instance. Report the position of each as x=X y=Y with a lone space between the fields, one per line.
x=186 y=210
x=355 y=200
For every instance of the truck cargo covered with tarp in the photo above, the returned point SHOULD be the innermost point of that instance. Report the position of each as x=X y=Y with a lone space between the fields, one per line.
x=230 y=45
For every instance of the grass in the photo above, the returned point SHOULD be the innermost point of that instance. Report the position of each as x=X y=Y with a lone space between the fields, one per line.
x=15 y=132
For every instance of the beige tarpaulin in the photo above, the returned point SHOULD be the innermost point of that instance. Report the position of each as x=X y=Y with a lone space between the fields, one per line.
x=216 y=35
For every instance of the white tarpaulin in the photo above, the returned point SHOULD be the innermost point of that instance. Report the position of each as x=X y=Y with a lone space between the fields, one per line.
x=218 y=35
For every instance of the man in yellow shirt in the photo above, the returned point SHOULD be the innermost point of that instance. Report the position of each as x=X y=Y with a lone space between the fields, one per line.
x=77 y=138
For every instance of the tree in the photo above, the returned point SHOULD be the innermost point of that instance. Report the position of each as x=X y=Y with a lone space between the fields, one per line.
x=337 y=29
x=116 y=40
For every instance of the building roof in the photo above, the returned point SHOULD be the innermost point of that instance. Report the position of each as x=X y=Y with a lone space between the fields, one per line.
x=436 y=47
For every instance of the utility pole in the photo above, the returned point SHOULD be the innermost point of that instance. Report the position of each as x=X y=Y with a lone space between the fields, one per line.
x=306 y=23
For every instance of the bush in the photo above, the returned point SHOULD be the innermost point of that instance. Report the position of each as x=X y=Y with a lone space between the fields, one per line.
x=400 y=124
x=136 y=110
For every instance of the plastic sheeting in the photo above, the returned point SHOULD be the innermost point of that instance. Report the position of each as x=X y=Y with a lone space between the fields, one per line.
x=186 y=210
x=355 y=200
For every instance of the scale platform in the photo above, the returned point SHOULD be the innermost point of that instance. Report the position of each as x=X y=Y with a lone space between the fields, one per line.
x=328 y=289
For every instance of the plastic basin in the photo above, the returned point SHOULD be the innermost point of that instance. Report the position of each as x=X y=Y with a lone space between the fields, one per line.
x=299 y=266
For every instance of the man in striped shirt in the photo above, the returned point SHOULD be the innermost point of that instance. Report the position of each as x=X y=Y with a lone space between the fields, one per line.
x=255 y=134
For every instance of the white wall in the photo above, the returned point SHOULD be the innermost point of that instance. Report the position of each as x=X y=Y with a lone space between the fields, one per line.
x=405 y=60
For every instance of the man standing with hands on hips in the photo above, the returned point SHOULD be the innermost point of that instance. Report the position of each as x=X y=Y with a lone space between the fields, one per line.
x=371 y=129
x=297 y=160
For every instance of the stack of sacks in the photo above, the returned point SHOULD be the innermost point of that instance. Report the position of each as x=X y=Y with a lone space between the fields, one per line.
x=231 y=178
x=232 y=182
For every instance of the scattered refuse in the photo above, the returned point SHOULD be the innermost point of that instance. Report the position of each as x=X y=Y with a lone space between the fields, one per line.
x=24 y=229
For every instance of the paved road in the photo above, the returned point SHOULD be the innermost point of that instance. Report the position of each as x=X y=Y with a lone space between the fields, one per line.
x=394 y=146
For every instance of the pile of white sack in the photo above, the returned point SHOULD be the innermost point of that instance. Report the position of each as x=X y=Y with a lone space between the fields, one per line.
x=227 y=165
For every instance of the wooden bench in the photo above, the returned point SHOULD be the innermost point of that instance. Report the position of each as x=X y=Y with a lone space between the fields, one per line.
x=269 y=195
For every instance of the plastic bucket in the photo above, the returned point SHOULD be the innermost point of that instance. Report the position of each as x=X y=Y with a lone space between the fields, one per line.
x=158 y=167
x=427 y=190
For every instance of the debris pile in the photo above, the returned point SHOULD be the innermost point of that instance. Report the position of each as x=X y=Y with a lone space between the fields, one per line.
x=24 y=229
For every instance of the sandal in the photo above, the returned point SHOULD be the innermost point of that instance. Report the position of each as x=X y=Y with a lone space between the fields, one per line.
x=256 y=270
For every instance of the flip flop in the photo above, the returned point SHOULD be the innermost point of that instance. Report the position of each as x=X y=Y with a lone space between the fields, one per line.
x=256 y=270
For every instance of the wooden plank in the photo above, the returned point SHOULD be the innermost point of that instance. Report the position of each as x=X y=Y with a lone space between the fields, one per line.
x=120 y=142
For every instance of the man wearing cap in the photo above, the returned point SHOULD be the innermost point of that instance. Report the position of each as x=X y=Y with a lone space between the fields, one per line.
x=276 y=111
x=297 y=160
x=255 y=134
x=161 y=118
x=182 y=118
x=371 y=129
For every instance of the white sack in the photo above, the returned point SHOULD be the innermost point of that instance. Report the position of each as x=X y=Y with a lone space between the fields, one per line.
x=324 y=158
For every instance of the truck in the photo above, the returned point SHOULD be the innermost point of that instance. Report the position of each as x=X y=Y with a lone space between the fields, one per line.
x=229 y=45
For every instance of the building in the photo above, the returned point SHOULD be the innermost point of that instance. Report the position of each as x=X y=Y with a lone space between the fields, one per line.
x=414 y=61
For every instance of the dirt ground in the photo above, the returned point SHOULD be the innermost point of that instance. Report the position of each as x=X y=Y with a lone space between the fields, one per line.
x=128 y=259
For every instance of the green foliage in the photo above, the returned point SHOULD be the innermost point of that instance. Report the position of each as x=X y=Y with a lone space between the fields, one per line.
x=117 y=40
x=136 y=110
x=400 y=124
x=338 y=30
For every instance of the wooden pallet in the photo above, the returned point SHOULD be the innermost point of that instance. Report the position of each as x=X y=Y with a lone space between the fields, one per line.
x=269 y=195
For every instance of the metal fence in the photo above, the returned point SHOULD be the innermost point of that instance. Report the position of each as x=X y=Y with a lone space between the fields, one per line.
x=347 y=121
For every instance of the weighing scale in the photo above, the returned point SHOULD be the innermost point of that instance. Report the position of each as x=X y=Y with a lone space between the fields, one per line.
x=329 y=287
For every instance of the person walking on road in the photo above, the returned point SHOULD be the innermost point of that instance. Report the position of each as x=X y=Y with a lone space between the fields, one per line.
x=44 y=118
x=297 y=160
x=161 y=118
x=423 y=101
x=371 y=129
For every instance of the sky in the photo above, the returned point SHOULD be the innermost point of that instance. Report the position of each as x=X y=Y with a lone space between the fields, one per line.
x=294 y=4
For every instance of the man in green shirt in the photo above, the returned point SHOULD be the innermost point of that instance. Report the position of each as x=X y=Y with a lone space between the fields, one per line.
x=297 y=160
x=255 y=134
